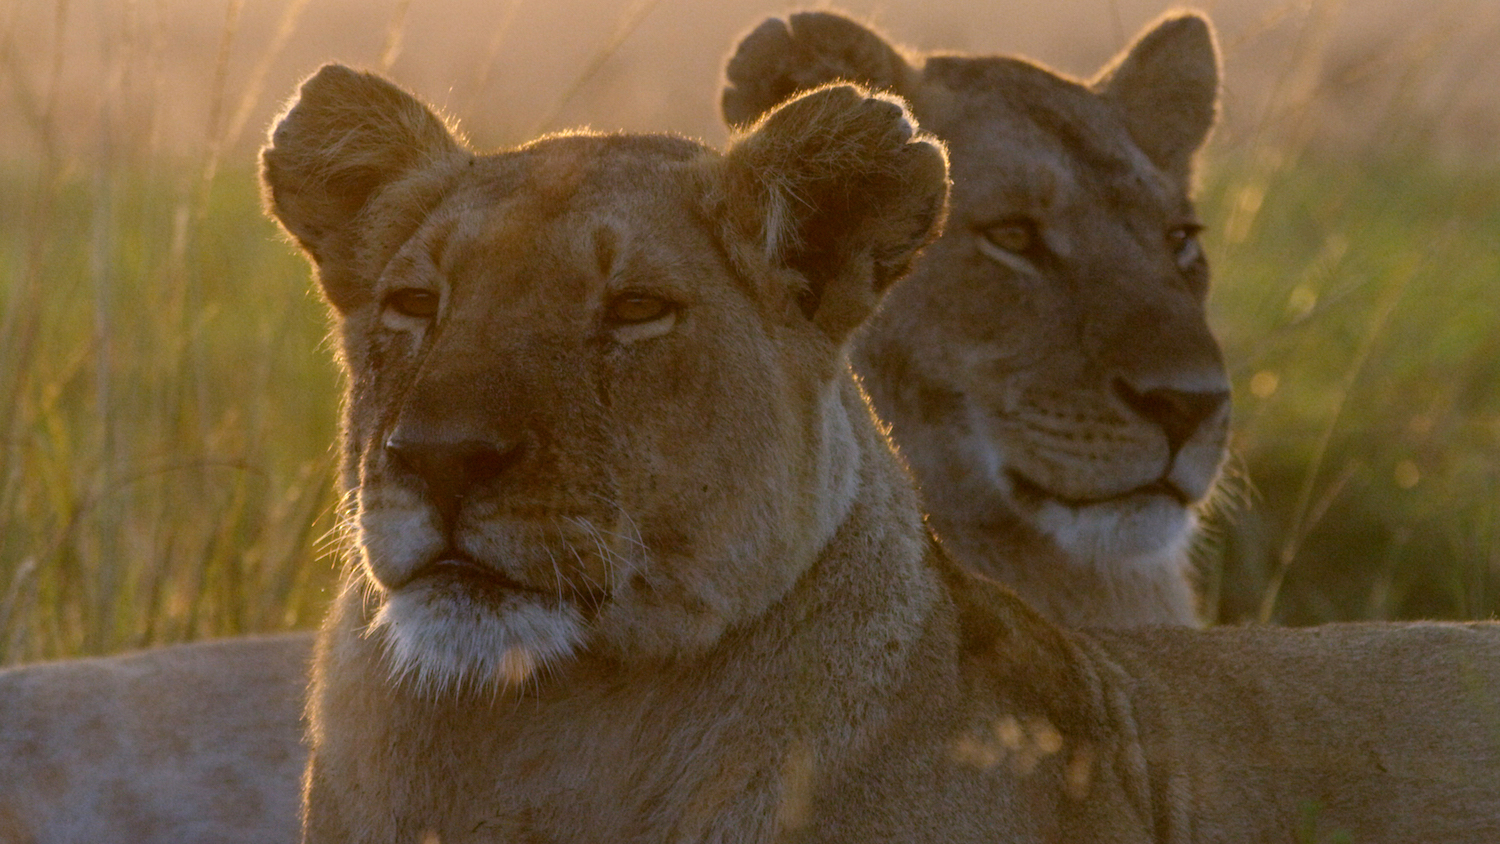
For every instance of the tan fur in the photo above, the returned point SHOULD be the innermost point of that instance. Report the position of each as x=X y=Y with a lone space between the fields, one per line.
x=188 y=743
x=751 y=638
x=1063 y=407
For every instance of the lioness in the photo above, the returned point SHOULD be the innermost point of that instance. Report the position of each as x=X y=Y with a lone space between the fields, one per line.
x=636 y=564
x=1047 y=373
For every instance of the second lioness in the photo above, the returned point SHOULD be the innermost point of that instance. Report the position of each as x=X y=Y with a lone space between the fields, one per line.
x=1047 y=371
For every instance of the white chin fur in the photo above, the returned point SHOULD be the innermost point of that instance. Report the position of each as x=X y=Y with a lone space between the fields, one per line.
x=1140 y=531
x=442 y=642
x=1135 y=531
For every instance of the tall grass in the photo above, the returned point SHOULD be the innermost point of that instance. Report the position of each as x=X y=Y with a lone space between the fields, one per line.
x=165 y=470
x=1360 y=319
x=166 y=460
x=166 y=465
x=1357 y=304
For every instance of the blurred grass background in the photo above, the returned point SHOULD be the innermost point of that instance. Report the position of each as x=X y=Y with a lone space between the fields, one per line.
x=165 y=457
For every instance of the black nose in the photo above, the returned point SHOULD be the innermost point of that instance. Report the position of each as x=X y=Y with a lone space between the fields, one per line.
x=451 y=467
x=1179 y=413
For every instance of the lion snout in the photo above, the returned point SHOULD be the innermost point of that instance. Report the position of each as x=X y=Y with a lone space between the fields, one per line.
x=451 y=463
x=1180 y=414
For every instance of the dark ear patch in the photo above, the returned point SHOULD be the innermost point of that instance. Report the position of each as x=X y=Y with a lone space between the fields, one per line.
x=348 y=135
x=781 y=58
x=837 y=186
x=1167 y=84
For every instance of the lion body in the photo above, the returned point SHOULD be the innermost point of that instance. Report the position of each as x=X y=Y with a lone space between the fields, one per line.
x=1047 y=371
x=1378 y=732
x=812 y=668
x=191 y=742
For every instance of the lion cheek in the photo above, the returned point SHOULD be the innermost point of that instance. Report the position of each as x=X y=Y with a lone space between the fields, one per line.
x=395 y=538
x=688 y=594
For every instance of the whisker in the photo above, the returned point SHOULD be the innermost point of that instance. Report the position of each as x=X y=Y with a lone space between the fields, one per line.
x=635 y=538
x=581 y=567
x=556 y=571
x=619 y=565
x=600 y=546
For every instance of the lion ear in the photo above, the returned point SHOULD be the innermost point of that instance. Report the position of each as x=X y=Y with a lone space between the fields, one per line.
x=1167 y=84
x=837 y=187
x=347 y=135
x=780 y=58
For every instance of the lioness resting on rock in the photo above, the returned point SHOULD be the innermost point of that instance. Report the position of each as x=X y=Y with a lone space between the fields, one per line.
x=634 y=562
x=1047 y=372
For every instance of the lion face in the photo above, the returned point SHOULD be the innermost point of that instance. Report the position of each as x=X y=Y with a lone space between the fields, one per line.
x=1047 y=370
x=528 y=458
x=1056 y=334
x=591 y=387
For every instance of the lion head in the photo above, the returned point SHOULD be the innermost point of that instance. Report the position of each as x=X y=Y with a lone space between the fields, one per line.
x=594 y=383
x=1047 y=371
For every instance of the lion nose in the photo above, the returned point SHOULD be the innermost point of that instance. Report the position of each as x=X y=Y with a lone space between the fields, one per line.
x=1179 y=413
x=451 y=467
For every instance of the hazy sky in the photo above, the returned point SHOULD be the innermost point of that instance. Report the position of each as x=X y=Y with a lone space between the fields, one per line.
x=149 y=70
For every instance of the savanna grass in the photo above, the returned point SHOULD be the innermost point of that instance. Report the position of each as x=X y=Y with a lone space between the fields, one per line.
x=166 y=469
x=1361 y=317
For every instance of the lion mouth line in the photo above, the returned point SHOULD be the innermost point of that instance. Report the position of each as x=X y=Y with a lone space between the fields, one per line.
x=1035 y=494
x=470 y=574
x=488 y=584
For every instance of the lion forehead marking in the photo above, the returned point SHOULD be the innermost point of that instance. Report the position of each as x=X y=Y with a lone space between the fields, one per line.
x=1011 y=158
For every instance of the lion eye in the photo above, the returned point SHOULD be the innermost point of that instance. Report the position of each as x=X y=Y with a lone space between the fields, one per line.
x=630 y=317
x=414 y=302
x=1183 y=241
x=1018 y=235
x=635 y=308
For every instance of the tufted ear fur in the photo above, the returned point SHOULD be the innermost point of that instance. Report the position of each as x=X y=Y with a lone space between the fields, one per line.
x=837 y=187
x=808 y=49
x=1167 y=84
x=348 y=136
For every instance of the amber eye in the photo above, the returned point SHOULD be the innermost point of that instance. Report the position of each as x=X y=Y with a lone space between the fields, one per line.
x=1183 y=241
x=633 y=308
x=414 y=302
x=1018 y=235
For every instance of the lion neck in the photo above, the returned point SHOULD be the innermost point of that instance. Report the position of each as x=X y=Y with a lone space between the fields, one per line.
x=867 y=622
x=1073 y=592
